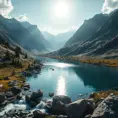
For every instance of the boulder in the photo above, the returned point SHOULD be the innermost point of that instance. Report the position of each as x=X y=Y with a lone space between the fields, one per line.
x=32 y=104
x=34 y=98
x=80 y=108
x=59 y=102
x=9 y=94
x=2 y=98
x=108 y=108
x=39 y=114
x=15 y=90
x=36 y=95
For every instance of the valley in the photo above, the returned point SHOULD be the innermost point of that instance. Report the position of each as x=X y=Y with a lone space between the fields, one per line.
x=58 y=59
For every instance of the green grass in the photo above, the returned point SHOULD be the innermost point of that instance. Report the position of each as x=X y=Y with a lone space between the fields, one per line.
x=1 y=77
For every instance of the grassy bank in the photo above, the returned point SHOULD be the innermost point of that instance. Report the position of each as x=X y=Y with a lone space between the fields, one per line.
x=13 y=73
x=89 y=60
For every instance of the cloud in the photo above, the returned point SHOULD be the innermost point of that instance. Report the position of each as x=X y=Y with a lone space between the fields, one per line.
x=109 y=6
x=5 y=7
x=22 y=18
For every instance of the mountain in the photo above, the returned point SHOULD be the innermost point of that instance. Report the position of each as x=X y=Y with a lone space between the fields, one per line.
x=88 y=28
x=23 y=36
x=102 y=41
x=59 y=40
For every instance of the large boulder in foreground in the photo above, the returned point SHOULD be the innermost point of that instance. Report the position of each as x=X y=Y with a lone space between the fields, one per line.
x=108 y=108
x=2 y=98
x=15 y=90
x=59 y=102
x=80 y=108
x=34 y=98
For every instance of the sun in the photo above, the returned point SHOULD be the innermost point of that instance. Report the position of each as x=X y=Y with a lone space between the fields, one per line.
x=61 y=10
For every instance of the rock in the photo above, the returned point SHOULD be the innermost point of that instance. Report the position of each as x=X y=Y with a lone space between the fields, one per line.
x=16 y=113
x=41 y=105
x=15 y=90
x=27 y=85
x=36 y=95
x=39 y=114
x=49 y=104
x=80 y=108
x=51 y=94
x=108 y=108
x=9 y=94
x=12 y=83
x=2 y=98
x=25 y=88
x=58 y=104
x=92 y=95
x=19 y=97
x=33 y=103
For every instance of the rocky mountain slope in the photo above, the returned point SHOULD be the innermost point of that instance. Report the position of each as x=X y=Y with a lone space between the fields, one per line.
x=96 y=40
x=25 y=37
x=88 y=28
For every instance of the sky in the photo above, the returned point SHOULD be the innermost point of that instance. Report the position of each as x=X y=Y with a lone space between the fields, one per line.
x=55 y=16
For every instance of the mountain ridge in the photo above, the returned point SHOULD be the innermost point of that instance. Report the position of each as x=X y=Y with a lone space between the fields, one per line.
x=96 y=44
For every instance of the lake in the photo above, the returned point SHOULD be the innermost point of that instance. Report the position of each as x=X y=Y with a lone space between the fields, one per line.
x=73 y=78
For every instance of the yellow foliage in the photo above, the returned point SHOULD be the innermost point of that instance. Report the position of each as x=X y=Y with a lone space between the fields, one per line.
x=7 y=71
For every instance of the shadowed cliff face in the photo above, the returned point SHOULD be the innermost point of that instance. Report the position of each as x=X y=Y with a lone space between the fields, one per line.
x=91 y=42
x=30 y=38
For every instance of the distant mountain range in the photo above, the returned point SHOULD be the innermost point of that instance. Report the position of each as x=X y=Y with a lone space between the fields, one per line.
x=97 y=36
x=59 y=40
x=24 y=34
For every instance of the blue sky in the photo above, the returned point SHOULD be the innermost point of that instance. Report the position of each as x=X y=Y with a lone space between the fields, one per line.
x=40 y=12
x=44 y=12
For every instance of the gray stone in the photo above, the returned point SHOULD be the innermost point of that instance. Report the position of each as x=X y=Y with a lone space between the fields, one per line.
x=39 y=114
x=80 y=108
x=36 y=95
x=41 y=105
x=108 y=108
x=15 y=90
x=59 y=102
x=2 y=98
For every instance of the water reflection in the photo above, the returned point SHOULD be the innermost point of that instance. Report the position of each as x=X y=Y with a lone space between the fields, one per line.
x=73 y=78
x=61 y=86
x=99 y=78
x=60 y=65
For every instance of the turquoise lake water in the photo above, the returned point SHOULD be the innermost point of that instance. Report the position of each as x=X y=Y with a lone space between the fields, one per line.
x=73 y=78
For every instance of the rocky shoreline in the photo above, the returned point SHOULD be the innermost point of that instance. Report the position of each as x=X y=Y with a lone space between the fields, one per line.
x=21 y=102
x=18 y=103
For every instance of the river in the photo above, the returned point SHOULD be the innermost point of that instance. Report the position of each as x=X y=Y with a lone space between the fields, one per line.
x=73 y=78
